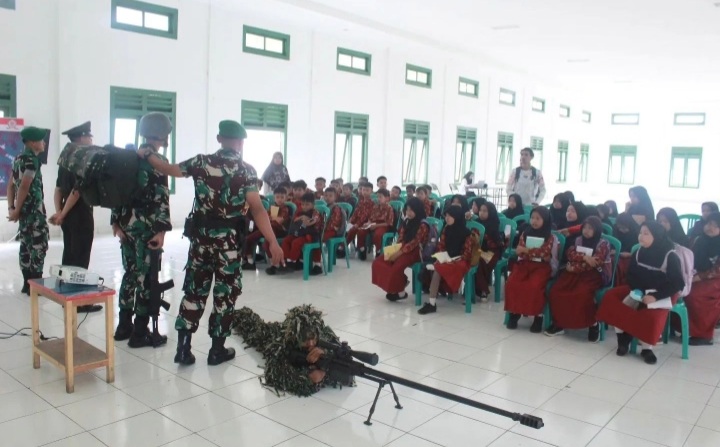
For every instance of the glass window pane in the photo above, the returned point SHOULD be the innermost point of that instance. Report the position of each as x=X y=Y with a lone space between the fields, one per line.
x=692 y=179
x=359 y=63
x=472 y=89
x=422 y=77
x=129 y=16
x=421 y=165
x=507 y=98
x=407 y=149
x=677 y=171
x=614 y=169
x=274 y=45
x=357 y=156
x=125 y=132
x=628 y=174
x=157 y=21
x=500 y=167
x=340 y=161
x=411 y=75
x=260 y=146
x=345 y=60
x=2 y=113
x=459 y=149
x=254 y=41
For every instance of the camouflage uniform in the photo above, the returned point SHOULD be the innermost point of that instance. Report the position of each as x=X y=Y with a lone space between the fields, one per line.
x=33 y=221
x=222 y=181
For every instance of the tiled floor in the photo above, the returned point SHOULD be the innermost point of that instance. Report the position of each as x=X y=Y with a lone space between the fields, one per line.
x=585 y=394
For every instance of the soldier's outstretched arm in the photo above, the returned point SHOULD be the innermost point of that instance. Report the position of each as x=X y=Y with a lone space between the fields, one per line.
x=260 y=216
x=159 y=164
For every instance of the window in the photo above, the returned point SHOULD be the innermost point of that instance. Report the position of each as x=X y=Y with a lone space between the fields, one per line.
x=689 y=119
x=465 y=151
x=538 y=105
x=631 y=119
x=351 y=144
x=7 y=4
x=685 y=167
x=563 y=147
x=266 y=43
x=145 y=18
x=564 y=111
x=536 y=144
x=128 y=105
x=354 y=62
x=586 y=116
x=507 y=97
x=415 y=152
x=266 y=126
x=584 y=162
x=8 y=98
x=621 y=168
x=504 y=157
x=419 y=76
x=468 y=87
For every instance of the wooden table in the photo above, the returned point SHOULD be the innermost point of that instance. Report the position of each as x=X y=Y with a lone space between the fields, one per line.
x=70 y=353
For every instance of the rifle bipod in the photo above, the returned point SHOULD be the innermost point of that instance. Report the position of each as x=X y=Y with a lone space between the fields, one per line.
x=381 y=384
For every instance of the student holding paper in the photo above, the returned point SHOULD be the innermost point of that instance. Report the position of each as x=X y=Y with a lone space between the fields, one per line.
x=655 y=274
x=572 y=297
x=492 y=247
x=279 y=214
x=525 y=287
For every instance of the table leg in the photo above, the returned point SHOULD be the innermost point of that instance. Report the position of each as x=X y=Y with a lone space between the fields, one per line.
x=35 y=317
x=69 y=360
x=74 y=321
x=109 y=341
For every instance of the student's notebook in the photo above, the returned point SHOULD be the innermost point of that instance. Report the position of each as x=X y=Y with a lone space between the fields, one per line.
x=391 y=250
x=274 y=210
x=443 y=257
x=534 y=242
x=584 y=251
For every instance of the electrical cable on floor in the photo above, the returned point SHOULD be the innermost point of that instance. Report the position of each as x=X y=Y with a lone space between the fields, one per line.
x=19 y=333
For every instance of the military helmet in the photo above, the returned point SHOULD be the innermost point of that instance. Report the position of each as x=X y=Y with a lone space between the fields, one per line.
x=155 y=125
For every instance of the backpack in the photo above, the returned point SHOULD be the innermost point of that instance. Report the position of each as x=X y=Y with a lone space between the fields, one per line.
x=429 y=249
x=517 y=173
x=687 y=266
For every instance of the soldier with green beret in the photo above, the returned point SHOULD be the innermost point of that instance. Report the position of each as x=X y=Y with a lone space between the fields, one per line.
x=26 y=205
x=225 y=187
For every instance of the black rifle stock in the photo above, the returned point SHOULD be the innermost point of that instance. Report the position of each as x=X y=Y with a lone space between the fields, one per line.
x=157 y=289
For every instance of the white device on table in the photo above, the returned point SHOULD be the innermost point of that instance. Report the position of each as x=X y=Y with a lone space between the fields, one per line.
x=75 y=275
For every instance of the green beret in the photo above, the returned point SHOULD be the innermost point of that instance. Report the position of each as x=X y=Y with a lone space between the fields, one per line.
x=33 y=134
x=231 y=129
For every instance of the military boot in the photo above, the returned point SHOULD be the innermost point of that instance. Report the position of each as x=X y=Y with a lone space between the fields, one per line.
x=183 y=355
x=142 y=336
x=219 y=353
x=125 y=325
x=26 y=286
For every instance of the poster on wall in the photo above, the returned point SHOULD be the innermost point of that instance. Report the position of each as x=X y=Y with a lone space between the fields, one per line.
x=10 y=145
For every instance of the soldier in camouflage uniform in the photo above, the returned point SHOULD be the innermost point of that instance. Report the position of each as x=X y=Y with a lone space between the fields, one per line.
x=26 y=205
x=141 y=227
x=224 y=187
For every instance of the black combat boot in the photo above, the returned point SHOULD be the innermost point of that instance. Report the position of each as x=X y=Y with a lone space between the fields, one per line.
x=142 y=336
x=125 y=325
x=26 y=286
x=184 y=356
x=219 y=353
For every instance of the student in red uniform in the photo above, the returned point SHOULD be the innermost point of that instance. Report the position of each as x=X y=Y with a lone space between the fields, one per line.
x=347 y=196
x=424 y=196
x=395 y=193
x=456 y=240
x=299 y=190
x=319 y=192
x=389 y=274
x=515 y=207
x=334 y=223
x=572 y=297
x=626 y=230
x=279 y=225
x=382 y=182
x=361 y=215
x=379 y=222
x=668 y=218
x=525 y=287
x=558 y=211
x=410 y=191
x=493 y=243
x=655 y=274
x=306 y=227
x=575 y=215
x=699 y=229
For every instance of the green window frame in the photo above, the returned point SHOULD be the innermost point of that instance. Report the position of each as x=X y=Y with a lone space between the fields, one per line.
x=586 y=116
x=144 y=18
x=416 y=150
x=7 y=4
x=265 y=117
x=563 y=149
x=465 y=145
x=506 y=97
x=584 y=162
x=537 y=144
x=354 y=61
x=266 y=43
x=564 y=111
x=504 y=157
x=8 y=96
x=468 y=87
x=621 y=166
x=128 y=105
x=625 y=119
x=689 y=119
x=418 y=76
x=351 y=145
x=685 y=167
x=538 y=105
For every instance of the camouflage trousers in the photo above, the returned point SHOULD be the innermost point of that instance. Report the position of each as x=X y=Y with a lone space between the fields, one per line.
x=203 y=263
x=135 y=287
x=33 y=244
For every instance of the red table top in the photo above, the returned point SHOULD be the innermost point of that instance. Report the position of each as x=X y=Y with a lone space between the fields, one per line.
x=57 y=288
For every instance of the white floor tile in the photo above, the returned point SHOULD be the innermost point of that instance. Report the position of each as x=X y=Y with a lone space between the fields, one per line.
x=448 y=350
x=412 y=415
x=715 y=398
x=565 y=360
x=134 y=373
x=384 y=351
x=501 y=363
x=628 y=370
x=407 y=339
x=521 y=391
x=103 y=409
x=162 y=392
x=250 y=394
x=467 y=376
x=250 y=429
x=20 y=403
x=583 y=408
x=511 y=439
x=350 y=398
x=145 y=430
x=411 y=441
x=684 y=369
x=602 y=389
x=25 y=431
x=203 y=411
x=418 y=363
x=559 y=430
x=651 y=427
x=710 y=418
x=616 y=439
x=301 y=414
x=215 y=377
x=702 y=437
x=349 y=431
x=301 y=441
x=452 y=430
x=545 y=375
x=86 y=386
x=81 y=440
x=193 y=440
x=665 y=404
x=693 y=391
x=31 y=377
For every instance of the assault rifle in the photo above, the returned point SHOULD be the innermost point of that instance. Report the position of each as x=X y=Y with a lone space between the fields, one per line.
x=157 y=289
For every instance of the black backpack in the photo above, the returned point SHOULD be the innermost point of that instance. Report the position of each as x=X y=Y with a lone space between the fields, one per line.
x=517 y=173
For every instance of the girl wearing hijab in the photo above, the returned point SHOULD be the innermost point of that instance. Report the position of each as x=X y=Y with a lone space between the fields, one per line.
x=703 y=302
x=570 y=195
x=475 y=205
x=276 y=173
x=655 y=274
x=456 y=241
x=462 y=202
x=668 y=218
x=389 y=274
x=525 y=287
x=699 y=229
x=575 y=215
x=613 y=209
x=640 y=206
x=626 y=230
x=493 y=243
x=589 y=268
x=558 y=210
x=604 y=214
x=515 y=207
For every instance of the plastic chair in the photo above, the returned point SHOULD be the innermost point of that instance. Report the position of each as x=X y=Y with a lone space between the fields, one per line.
x=528 y=209
x=688 y=221
x=521 y=218
x=504 y=223
x=607 y=229
x=390 y=235
x=266 y=204
x=270 y=198
x=600 y=294
x=417 y=267
x=333 y=243
x=310 y=246
x=320 y=202
x=469 y=291
x=612 y=220
x=680 y=309
x=347 y=208
x=437 y=223
x=293 y=208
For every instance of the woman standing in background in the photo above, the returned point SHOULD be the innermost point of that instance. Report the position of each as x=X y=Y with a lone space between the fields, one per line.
x=275 y=174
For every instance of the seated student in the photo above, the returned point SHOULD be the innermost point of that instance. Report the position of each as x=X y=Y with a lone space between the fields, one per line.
x=668 y=218
x=475 y=204
x=319 y=188
x=424 y=196
x=279 y=223
x=515 y=207
x=699 y=229
x=525 y=287
x=389 y=274
x=570 y=196
x=306 y=227
x=456 y=240
x=360 y=216
x=347 y=196
x=604 y=214
x=335 y=185
x=287 y=186
x=361 y=181
x=575 y=215
x=299 y=189
x=655 y=273
x=626 y=230
x=703 y=302
x=382 y=182
x=395 y=193
x=493 y=243
x=334 y=225
x=612 y=206
x=410 y=191
x=558 y=211
x=378 y=223
x=572 y=297
x=640 y=206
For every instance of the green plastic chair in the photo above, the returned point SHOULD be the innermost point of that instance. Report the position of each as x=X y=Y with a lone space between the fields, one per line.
x=521 y=218
x=688 y=221
x=528 y=209
x=347 y=208
x=270 y=198
x=390 y=235
x=504 y=223
x=293 y=208
x=607 y=229
x=320 y=202
x=417 y=267
x=333 y=243
x=469 y=291
x=309 y=247
x=266 y=204
x=438 y=223
x=612 y=220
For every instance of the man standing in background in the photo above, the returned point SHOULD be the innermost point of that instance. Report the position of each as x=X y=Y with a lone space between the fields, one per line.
x=526 y=180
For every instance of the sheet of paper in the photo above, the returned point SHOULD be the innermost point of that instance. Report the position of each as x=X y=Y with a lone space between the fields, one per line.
x=665 y=303
x=534 y=242
x=274 y=210
x=391 y=250
x=584 y=251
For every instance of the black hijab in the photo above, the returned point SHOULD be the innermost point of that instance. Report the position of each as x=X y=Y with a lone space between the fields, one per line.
x=274 y=175
x=411 y=226
x=518 y=211
x=456 y=233
x=570 y=195
x=492 y=223
x=604 y=213
x=654 y=255
x=644 y=206
x=613 y=208
x=469 y=177
x=543 y=232
x=706 y=248
x=463 y=203
x=478 y=201
x=597 y=227
x=557 y=216
x=629 y=239
x=699 y=228
x=581 y=211
x=676 y=233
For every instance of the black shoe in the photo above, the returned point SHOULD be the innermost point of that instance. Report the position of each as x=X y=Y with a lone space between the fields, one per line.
x=513 y=321
x=142 y=336
x=26 y=287
x=554 y=330
x=219 y=353
x=249 y=266
x=648 y=356
x=396 y=296
x=316 y=270
x=272 y=270
x=697 y=341
x=298 y=266
x=623 y=340
x=594 y=333
x=89 y=308
x=340 y=253
x=537 y=325
x=362 y=255
x=259 y=257
x=125 y=325
x=427 y=309
x=378 y=253
x=183 y=355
